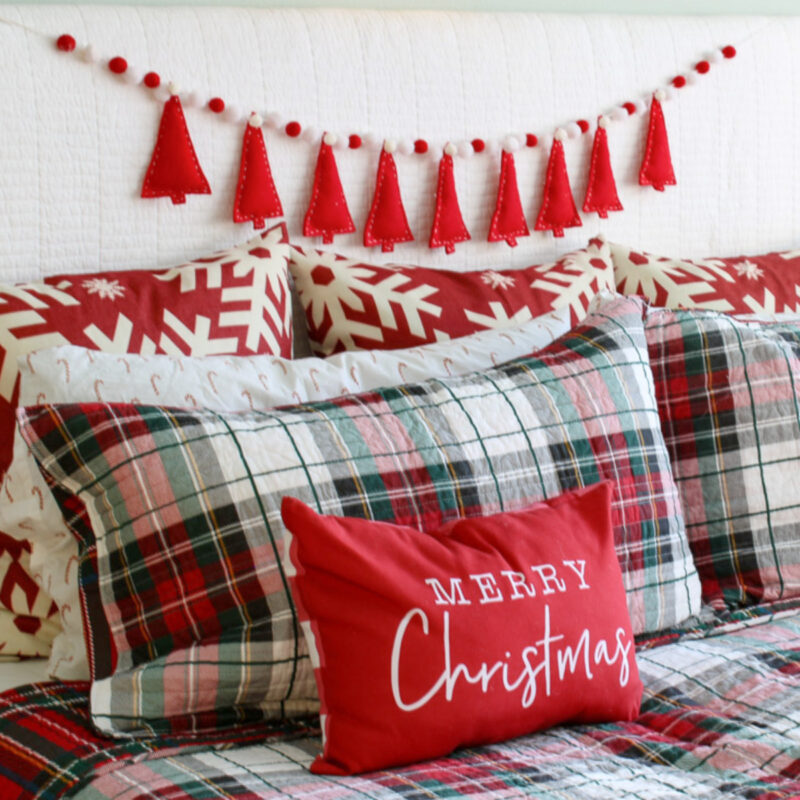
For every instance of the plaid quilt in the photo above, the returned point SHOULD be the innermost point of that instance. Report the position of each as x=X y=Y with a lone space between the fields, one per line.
x=728 y=400
x=191 y=622
x=720 y=719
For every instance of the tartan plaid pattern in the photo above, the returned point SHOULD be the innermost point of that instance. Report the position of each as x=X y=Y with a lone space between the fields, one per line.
x=720 y=719
x=197 y=626
x=727 y=393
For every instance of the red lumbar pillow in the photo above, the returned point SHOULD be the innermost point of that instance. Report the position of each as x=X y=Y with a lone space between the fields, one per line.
x=490 y=628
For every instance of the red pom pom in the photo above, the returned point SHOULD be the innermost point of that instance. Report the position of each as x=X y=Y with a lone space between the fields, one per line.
x=293 y=128
x=217 y=105
x=478 y=145
x=702 y=67
x=66 y=43
x=630 y=108
x=729 y=51
x=118 y=65
x=354 y=142
x=531 y=139
x=152 y=80
x=679 y=81
x=420 y=146
x=583 y=125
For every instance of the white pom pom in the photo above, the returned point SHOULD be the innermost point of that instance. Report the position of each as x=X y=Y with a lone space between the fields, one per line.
x=231 y=113
x=311 y=133
x=255 y=120
x=669 y=92
x=369 y=140
x=492 y=147
x=132 y=75
x=546 y=143
x=716 y=56
x=340 y=142
x=660 y=95
x=642 y=104
x=173 y=88
x=511 y=144
x=330 y=138
x=88 y=54
x=465 y=149
x=691 y=78
x=450 y=149
x=389 y=145
x=574 y=130
x=618 y=114
x=161 y=94
x=603 y=121
x=191 y=100
x=560 y=135
x=405 y=146
x=274 y=119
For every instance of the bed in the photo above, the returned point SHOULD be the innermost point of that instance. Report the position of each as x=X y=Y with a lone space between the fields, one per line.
x=152 y=666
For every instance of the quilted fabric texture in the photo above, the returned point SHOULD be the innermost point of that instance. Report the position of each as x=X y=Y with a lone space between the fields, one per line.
x=236 y=301
x=28 y=510
x=350 y=305
x=727 y=394
x=180 y=488
x=526 y=608
x=764 y=285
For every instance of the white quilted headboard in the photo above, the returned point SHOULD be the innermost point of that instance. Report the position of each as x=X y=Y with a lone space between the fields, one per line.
x=75 y=141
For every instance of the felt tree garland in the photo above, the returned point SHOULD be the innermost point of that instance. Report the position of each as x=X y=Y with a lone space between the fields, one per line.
x=448 y=224
x=657 y=168
x=558 y=210
x=508 y=220
x=327 y=213
x=601 y=191
x=387 y=223
x=256 y=196
x=174 y=170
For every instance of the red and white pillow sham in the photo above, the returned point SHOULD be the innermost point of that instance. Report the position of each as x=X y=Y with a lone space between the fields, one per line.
x=763 y=285
x=350 y=305
x=233 y=302
x=485 y=629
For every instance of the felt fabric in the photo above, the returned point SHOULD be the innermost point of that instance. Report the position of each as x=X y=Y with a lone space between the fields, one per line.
x=256 y=196
x=387 y=223
x=448 y=224
x=484 y=629
x=656 y=169
x=601 y=192
x=327 y=212
x=174 y=170
x=508 y=221
x=558 y=210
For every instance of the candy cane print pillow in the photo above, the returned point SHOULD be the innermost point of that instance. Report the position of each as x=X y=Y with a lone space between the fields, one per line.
x=489 y=628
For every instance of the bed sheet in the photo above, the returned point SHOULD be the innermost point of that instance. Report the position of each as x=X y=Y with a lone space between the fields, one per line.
x=720 y=718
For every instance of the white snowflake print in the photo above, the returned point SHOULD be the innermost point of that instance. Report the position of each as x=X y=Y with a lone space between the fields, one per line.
x=749 y=270
x=498 y=281
x=104 y=288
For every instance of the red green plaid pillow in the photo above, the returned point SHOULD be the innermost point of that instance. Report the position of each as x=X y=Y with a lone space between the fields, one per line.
x=189 y=614
x=727 y=393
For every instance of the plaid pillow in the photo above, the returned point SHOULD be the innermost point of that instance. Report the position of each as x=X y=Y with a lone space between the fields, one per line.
x=190 y=618
x=727 y=394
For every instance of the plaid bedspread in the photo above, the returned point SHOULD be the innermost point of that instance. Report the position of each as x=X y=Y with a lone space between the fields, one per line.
x=720 y=718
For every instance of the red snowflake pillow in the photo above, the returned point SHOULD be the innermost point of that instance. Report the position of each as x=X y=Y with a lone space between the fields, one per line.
x=489 y=628
x=234 y=302
x=763 y=285
x=354 y=306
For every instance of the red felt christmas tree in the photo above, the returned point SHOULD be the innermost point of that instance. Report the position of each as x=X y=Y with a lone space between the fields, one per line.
x=387 y=223
x=657 y=168
x=601 y=193
x=508 y=220
x=256 y=196
x=448 y=224
x=558 y=209
x=174 y=170
x=327 y=213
